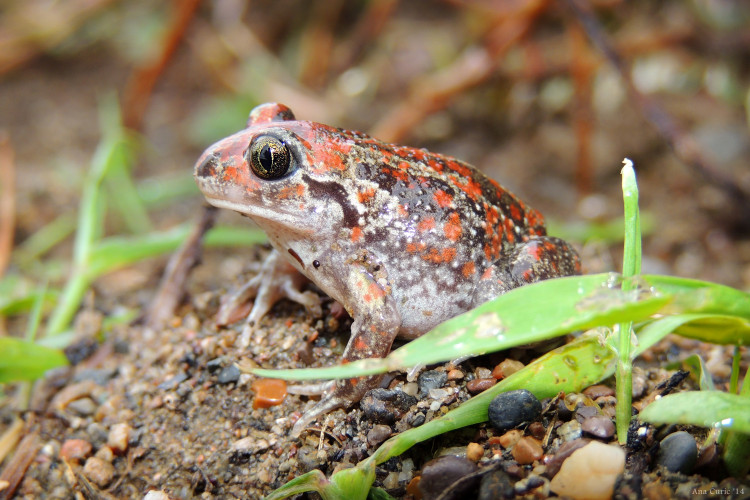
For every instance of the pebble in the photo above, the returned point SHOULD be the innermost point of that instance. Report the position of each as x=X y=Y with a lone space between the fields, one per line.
x=570 y=430
x=510 y=438
x=440 y=473
x=678 y=452
x=83 y=407
x=474 y=452
x=431 y=379
x=229 y=374
x=99 y=471
x=479 y=385
x=455 y=374
x=599 y=426
x=527 y=450
x=268 y=392
x=584 y=412
x=537 y=430
x=512 y=408
x=506 y=369
x=590 y=472
x=496 y=485
x=378 y=434
x=173 y=382
x=118 y=437
x=598 y=391
x=75 y=449
x=385 y=406
x=554 y=462
x=155 y=495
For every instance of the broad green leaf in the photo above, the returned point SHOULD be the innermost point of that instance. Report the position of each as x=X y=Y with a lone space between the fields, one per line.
x=22 y=360
x=697 y=296
x=704 y=408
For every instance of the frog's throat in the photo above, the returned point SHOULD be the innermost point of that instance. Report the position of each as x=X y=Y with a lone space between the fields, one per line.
x=265 y=217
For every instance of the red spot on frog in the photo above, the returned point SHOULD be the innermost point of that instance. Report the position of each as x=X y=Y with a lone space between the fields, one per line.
x=468 y=269
x=356 y=234
x=426 y=224
x=443 y=199
x=366 y=195
x=452 y=228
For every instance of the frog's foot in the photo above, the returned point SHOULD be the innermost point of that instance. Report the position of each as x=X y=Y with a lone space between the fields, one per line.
x=342 y=394
x=277 y=280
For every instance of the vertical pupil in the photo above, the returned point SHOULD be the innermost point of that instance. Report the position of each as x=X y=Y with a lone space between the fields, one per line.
x=266 y=157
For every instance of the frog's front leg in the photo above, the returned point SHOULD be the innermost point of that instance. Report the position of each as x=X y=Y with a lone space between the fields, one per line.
x=537 y=259
x=376 y=324
x=277 y=280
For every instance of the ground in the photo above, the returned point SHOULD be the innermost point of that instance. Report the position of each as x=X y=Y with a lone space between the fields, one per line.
x=187 y=417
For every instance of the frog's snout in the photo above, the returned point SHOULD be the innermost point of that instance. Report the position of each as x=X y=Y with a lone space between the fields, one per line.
x=207 y=166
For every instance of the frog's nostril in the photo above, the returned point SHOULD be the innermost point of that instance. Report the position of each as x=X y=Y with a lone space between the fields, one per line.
x=207 y=167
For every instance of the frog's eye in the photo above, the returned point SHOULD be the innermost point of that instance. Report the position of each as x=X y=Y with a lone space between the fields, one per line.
x=268 y=157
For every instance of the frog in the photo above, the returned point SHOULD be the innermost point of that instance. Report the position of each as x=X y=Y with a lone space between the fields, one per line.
x=403 y=238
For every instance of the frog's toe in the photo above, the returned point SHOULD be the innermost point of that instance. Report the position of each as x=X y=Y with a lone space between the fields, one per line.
x=325 y=405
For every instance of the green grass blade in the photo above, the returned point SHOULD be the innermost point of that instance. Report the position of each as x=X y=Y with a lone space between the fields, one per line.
x=703 y=408
x=23 y=360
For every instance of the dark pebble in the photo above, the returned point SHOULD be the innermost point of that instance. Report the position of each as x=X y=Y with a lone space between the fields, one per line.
x=81 y=350
x=228 y=374
x=678 y=452
x=496 y=484
x=599 y=426
x=416 y=419
x=510 y=409
x=215 y=364
x=431 y=379
x=479 y=385
x=385 y=406
x=440 y=473
x=173 y=382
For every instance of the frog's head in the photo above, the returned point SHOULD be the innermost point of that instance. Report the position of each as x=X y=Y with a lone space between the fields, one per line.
x=277 y=172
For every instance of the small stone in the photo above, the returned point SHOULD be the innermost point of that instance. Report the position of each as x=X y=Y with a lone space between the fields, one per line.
x=566 y=449
x=678 y=452
x=496 y=485
x=385 y=406
x=431 y=379
x=474 y=452
x=118 y=437
x=440 y=473
x=75 y=449
x=268 y=392
x=584 y=412
x=527 y=450
x=590 y=472
x=378 y=434
x=598 y=391
x=83 y=407
x=570 y=430
x=155 y=495
x=228 y=374
x=512 y=408
x=99 y=471
x=599 y=426
x=510 y=438
x=536 y=430
x=506 y=369
x=479 y=385
x=455 y=374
